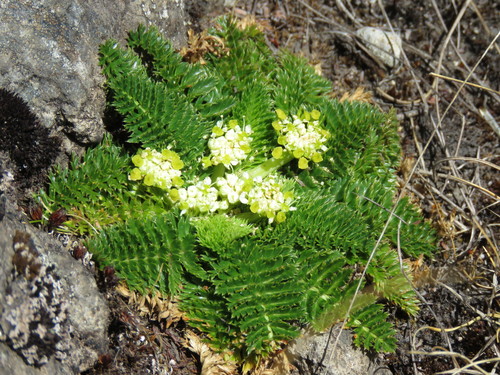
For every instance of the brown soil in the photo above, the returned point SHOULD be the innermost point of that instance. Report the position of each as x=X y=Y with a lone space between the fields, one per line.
x=445 y=136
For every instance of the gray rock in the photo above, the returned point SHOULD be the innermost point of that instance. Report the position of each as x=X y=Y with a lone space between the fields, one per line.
x=386 y=46
x=311 y=354
x=49 y=55
x=14 y=365
x=52 y=318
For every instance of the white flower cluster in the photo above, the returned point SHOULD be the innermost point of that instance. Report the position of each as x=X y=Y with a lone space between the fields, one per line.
x=201 y=197
x=234 y=188
x=267 y=198
x=303 y=136
x=229 y=144
x=159 y=169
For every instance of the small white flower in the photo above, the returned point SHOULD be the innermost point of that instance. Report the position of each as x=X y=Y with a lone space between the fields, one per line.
x=267 y=198
x=201 y=198
x=233 y=187
x=303 y=136
x=229 y=144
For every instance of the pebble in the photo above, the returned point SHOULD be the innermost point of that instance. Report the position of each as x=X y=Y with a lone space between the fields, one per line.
x=385 y=45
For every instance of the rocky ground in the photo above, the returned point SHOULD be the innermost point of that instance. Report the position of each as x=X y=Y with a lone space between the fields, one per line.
x=450 y=135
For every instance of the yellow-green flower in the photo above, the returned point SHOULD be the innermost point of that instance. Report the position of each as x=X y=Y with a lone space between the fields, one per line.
x=159 y=169
x=302 y=135
x=268 y=199
x=229 y=144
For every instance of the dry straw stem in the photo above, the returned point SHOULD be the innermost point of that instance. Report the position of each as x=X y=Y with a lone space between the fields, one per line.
x=451 y=160
x=482 y=315
x=459 y=179
x=464 y=82
x=466 y=369
x=490 y=120
x=491 y=317
x=470 y=322
x=421 y=297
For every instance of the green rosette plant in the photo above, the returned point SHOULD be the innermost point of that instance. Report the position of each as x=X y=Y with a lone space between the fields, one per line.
x=246 y=192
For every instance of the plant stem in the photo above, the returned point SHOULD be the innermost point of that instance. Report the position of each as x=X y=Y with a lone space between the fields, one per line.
x=270 y=166
x=219 y=171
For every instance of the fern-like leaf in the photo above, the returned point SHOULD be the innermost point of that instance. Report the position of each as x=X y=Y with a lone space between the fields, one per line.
x=96 y=188
x=218 y=232
x=323 y=221
x=157 y=118
x=414 y=235
x=372 y=330
x=326 y=278
x=298 y=85
x=201 y=86
x=208 y=312
x=117 y=62
x=249 y=59
x=255 y=109
x=258 y=284
x=389 y=282
x=364 y=140
x=159 y=252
